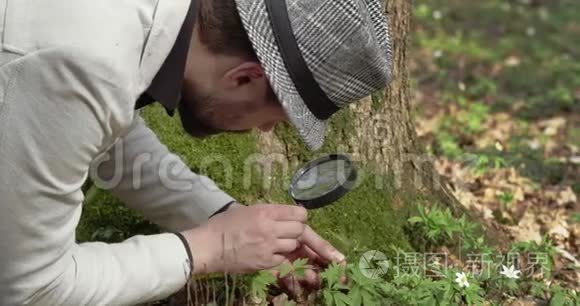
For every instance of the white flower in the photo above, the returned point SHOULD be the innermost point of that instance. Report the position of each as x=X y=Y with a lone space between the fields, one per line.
x=437 y=15
x=461 y=280
x=510 y=272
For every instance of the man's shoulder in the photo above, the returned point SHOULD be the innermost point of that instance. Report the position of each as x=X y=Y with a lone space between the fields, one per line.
x=111 y=30
x=131 y=37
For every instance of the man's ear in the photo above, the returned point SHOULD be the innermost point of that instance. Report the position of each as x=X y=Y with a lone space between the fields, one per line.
x=243 y=74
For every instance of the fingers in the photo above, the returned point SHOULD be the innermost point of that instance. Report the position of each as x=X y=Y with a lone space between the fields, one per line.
x=343 y=279
x=288 y=213
x=314 y=258
x=299 y=287
x=289 y=229
x=277 y=260
x=320 y=246
x=311 y=279
x=284 y=246
x=306 y=252
x=293 y=287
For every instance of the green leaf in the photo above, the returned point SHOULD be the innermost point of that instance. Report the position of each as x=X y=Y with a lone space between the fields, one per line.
x=285 y=269
x=340 y=303
x=342 y=298
x=415 y=220
x=328 y=298
x=368 y=299
x=538 y=289
x=355 y=296
x=300 y=267
x=331 y=275
x=259 y=284
x=339 y=286
x=558 y=299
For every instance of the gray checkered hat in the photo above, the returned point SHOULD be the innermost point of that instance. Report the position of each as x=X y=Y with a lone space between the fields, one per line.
x=319 y=55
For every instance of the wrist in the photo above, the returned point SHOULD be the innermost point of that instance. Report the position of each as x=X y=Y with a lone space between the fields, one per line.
x=235 y=205
x=204 y=250
x=227 y=207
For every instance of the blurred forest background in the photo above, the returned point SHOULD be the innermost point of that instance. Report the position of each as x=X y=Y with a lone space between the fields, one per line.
x=497 y=99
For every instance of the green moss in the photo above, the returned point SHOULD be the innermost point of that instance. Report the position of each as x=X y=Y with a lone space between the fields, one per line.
x=105 y=213
x=378 y=99
x=106 y=219
x=363 y=220
x=208 y=156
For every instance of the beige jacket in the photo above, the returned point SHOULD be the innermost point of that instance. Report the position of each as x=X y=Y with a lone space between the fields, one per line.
x=70 y=73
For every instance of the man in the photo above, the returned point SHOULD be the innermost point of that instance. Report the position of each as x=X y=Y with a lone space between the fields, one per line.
x=73 y=74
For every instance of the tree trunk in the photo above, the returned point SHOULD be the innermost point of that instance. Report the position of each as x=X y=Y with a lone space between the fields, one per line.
x=385 y=137
x=379 y=133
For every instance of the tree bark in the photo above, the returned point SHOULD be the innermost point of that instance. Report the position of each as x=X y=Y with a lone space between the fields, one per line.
x=381 y=135
x=385 y=137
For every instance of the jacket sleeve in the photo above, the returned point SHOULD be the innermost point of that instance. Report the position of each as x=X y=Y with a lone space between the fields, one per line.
x=148 y=178
x=58 y=110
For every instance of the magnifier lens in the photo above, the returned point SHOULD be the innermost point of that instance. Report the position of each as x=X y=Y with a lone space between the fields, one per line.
x=322 y=179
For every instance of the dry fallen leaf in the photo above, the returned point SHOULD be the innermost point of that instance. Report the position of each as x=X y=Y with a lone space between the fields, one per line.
x=562 y=196
x=512 y=61
x=551 y=126
x=527 y=229
x=560 y=230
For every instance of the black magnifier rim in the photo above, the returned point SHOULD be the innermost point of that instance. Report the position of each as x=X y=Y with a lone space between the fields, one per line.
x=331 y=196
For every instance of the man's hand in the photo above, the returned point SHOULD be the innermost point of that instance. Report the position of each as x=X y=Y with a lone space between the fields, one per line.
x=247 y=239
x=319 y=254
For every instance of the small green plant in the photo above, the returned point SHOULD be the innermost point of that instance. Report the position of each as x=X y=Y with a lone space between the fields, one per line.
x=564 y=297
x=473 y=118
x=441 y=227
x=438 y=224
x=575 y=218
x=483 y=163
x=539 y=255
x=297 y=268
x=364 y=291
x=260 y=284
x=333 y=291
x=506 y=199
x=488 y=281
x=448 y=145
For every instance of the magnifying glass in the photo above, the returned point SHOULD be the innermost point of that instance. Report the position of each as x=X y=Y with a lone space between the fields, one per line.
x=323 y=181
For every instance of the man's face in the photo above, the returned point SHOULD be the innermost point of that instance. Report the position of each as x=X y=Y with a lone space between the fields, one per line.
x=238 y=100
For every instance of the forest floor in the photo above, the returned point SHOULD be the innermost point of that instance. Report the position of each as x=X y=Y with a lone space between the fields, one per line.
x=497 y=99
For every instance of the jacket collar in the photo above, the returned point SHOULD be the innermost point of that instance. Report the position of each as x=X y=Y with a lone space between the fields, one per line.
x=167 y=84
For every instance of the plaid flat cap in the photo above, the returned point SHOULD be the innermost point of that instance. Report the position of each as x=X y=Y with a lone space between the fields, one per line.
x=319 y=55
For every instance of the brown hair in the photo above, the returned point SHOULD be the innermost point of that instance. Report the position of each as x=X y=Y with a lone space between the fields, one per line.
x=221 y=29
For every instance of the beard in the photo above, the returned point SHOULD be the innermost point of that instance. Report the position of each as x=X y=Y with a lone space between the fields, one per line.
x=197 y=116
x=194 y=123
